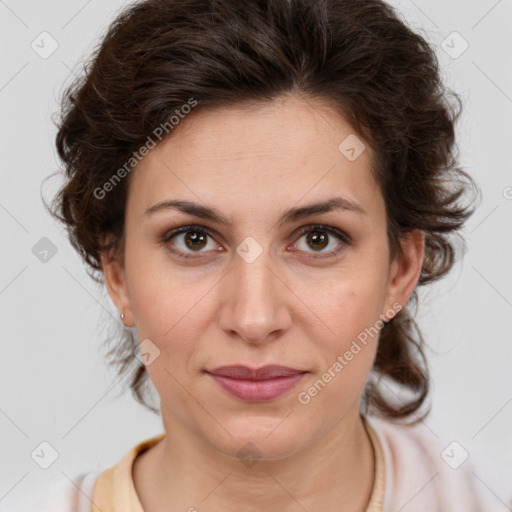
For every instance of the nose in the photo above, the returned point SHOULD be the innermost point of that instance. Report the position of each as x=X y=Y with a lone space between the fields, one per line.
x=255 y=296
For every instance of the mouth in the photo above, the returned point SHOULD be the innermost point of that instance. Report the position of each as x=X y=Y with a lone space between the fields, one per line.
x=256 y=384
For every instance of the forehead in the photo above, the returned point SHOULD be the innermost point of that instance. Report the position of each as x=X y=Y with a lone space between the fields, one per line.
x=282 y=151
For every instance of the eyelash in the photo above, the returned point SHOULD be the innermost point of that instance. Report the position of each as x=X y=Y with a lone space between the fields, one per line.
x=346 y=240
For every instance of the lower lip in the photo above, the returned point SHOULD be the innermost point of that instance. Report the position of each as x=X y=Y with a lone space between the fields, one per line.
x=258 y=390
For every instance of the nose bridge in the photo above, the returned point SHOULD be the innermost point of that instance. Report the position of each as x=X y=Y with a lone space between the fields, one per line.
x=255 y=307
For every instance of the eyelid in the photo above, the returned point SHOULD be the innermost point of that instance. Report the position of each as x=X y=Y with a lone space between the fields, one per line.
x=325 y=227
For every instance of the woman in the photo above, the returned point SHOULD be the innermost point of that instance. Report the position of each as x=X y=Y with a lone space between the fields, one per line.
x=262 y=186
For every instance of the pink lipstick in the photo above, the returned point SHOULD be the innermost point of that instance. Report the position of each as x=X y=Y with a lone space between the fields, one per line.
x=256 y=384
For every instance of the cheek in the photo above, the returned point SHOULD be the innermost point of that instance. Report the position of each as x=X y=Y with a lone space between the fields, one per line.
x=173 y=312
x=173 y=309
x=346 y=351
x=346 y=304
x=173 y=316
x=162 y=296
x=344 y=327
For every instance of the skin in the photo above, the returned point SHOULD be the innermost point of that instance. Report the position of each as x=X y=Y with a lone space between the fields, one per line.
x=284 y=307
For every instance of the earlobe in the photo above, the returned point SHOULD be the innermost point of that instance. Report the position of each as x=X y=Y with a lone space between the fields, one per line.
x=115 y=282
x=406 y=268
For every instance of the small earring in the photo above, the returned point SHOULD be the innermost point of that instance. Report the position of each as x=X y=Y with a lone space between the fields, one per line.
x=122 y=316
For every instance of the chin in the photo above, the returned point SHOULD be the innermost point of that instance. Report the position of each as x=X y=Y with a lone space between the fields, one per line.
x=264 y=439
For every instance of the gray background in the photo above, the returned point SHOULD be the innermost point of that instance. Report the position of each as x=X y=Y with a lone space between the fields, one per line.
x=55 y=386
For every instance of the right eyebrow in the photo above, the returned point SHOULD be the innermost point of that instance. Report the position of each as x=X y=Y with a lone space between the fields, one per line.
x=198 y=210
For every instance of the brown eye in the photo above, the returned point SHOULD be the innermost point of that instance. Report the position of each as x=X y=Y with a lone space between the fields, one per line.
x=187 y=240
x=320 y=237
x=195 y=240
x=317 y=239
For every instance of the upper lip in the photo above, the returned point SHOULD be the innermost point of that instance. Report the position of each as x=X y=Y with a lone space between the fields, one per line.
x=245 y=372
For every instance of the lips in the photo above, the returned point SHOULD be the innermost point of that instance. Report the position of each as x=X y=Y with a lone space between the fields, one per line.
x=256 y=384
x=263 y=373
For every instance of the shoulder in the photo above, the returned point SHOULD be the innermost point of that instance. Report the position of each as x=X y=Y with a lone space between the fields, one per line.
x=422 y=472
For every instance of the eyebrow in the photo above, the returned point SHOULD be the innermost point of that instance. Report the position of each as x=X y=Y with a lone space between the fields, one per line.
x=290 y=215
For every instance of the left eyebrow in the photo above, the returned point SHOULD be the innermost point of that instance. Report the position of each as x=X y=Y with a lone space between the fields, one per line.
x=290 y=215
x=336 y=203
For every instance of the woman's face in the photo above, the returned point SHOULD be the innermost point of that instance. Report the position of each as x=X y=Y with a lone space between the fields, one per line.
x=268 y=288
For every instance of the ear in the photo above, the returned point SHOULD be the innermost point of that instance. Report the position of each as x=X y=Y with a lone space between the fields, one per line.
x=405 y=269
x=115 y=281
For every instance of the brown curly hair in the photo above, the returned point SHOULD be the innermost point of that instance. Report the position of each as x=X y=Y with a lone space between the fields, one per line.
x=379 y=74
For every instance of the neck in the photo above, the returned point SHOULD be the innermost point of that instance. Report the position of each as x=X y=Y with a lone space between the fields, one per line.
x=184 y=472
